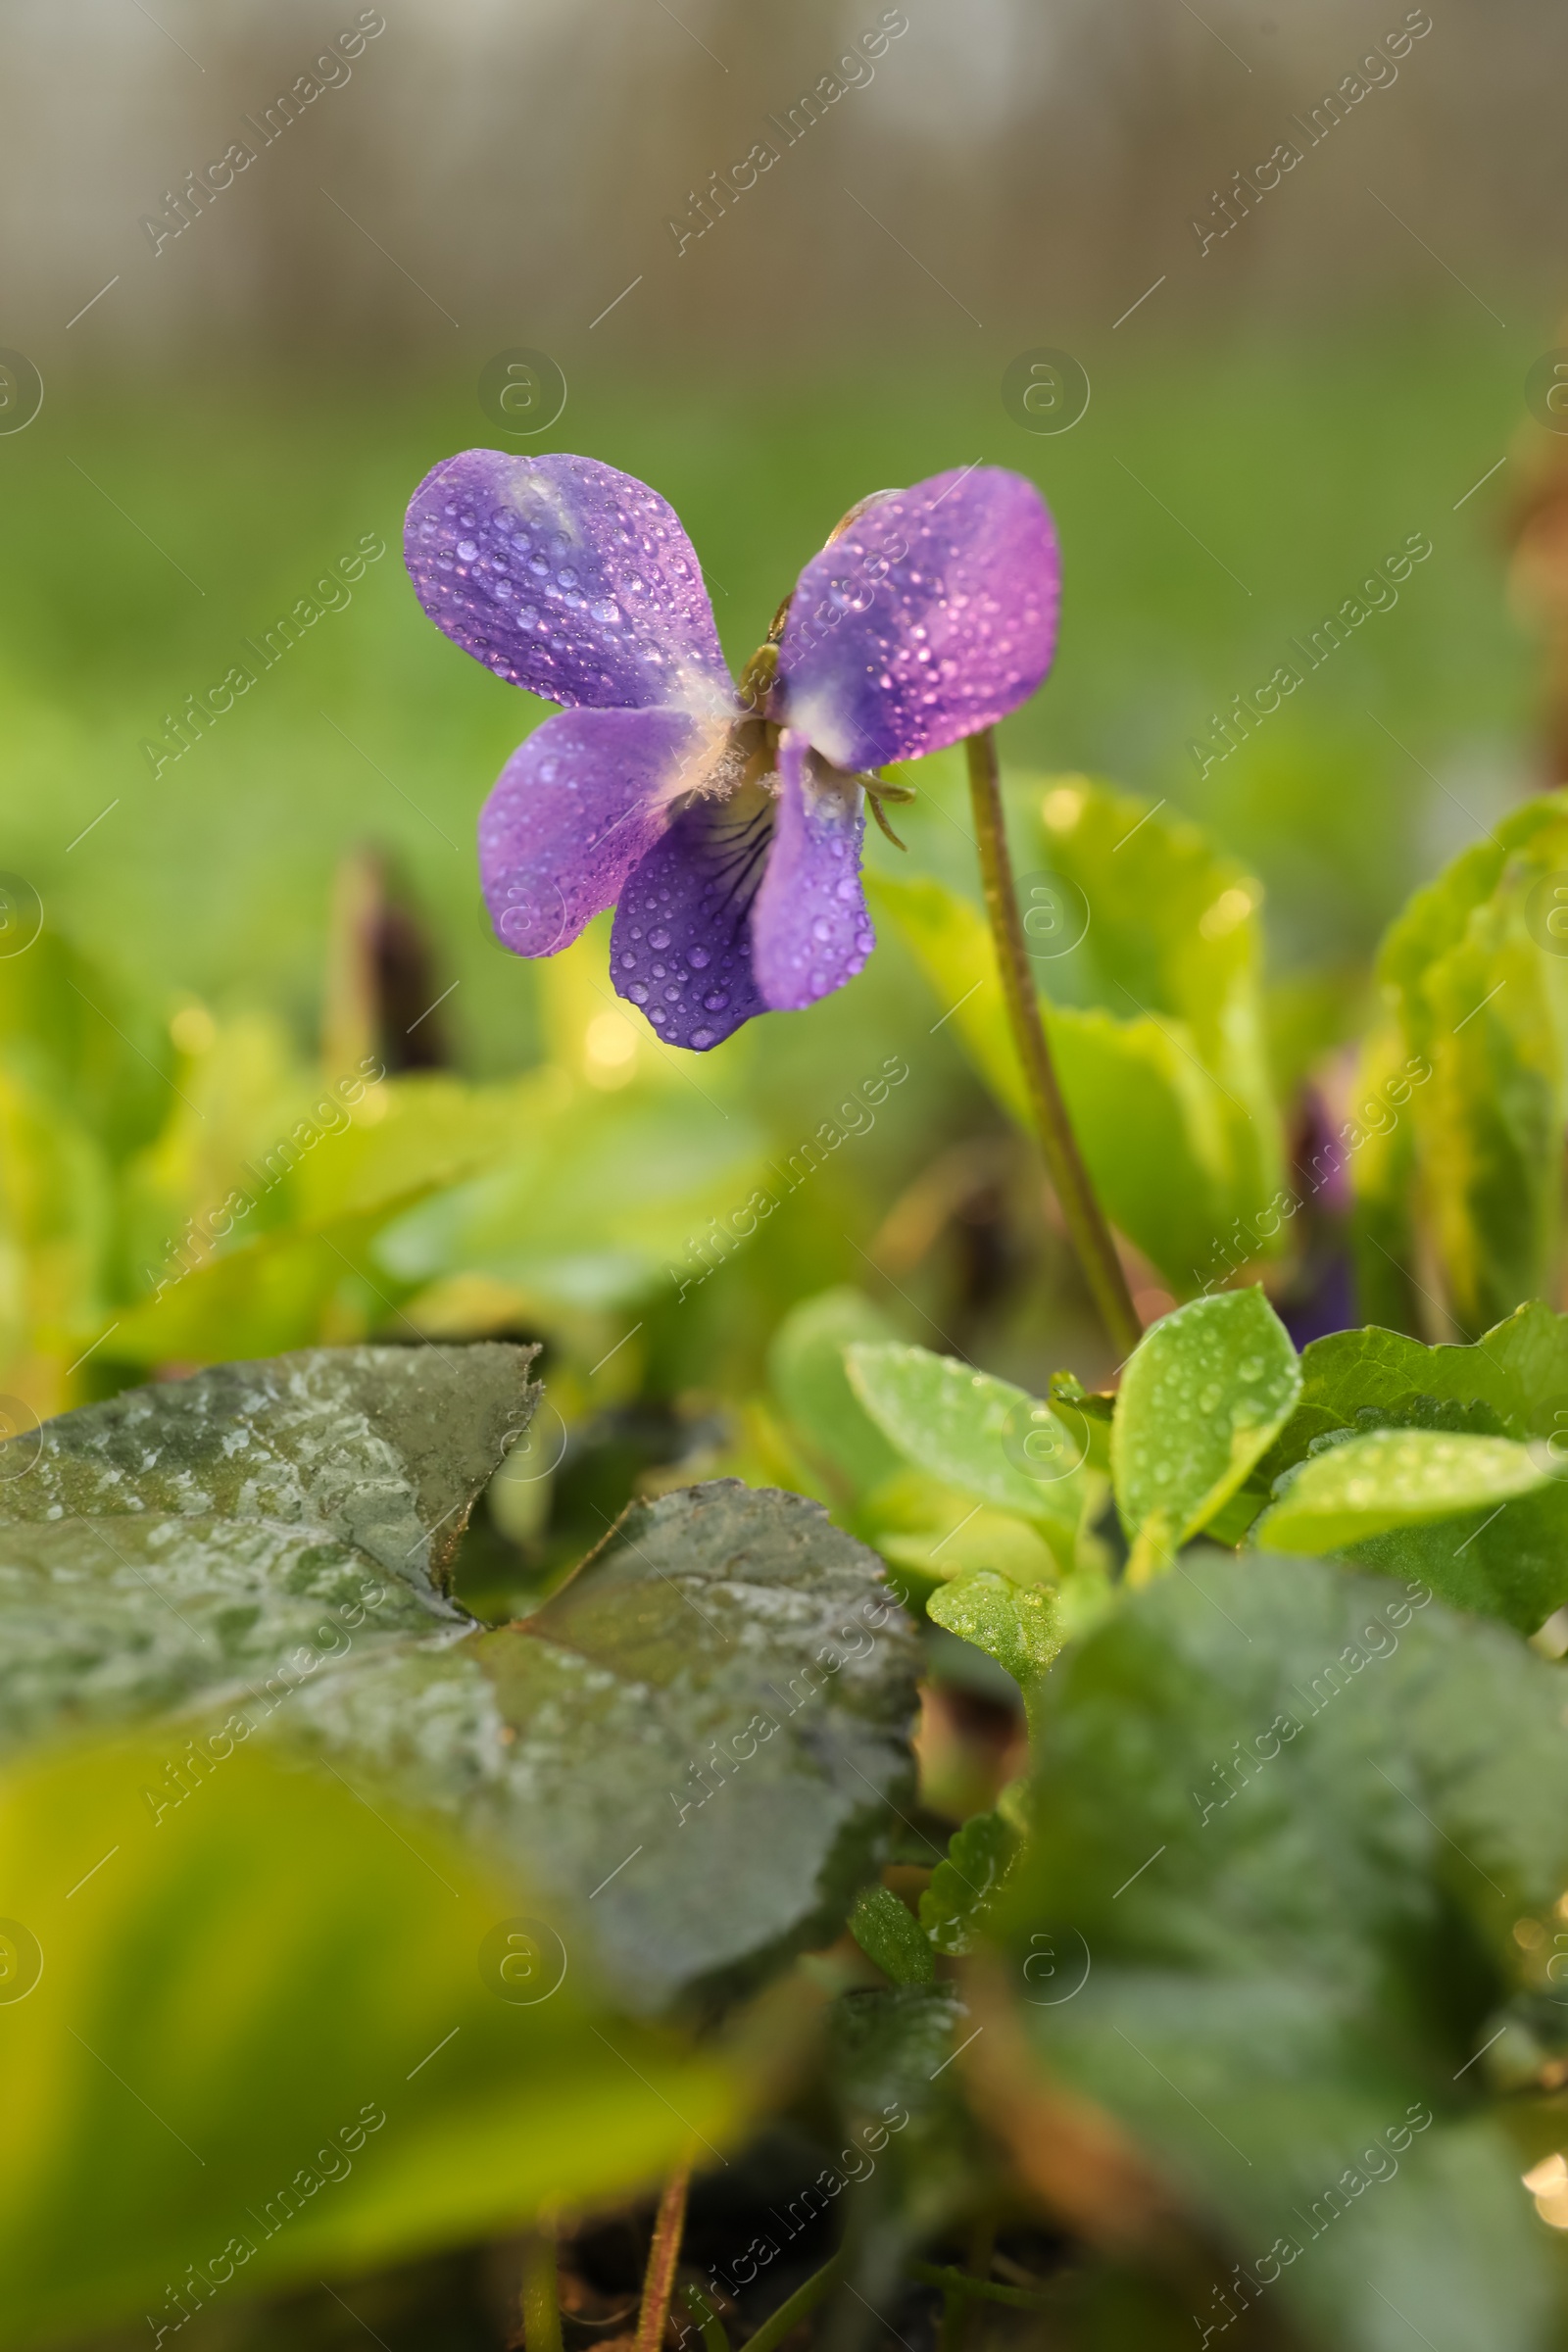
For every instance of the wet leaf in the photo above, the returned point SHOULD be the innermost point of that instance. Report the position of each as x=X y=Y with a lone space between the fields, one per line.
x=383 y=1448
x=1511 y=1383
x=691 y=1745
x=1205 y=1394
x=972 y=1431
x=1397 y=1478
x=698 y=1736
x=888 y=1933
x=1020 y=1626
x=965 y=1883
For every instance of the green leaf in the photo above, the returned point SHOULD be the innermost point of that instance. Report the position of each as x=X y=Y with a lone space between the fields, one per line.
x=300 y=1182
x=1205 y=1394
x=76 y=1033
x=806 y=1372
x=382 y=1448
x=1088 y=1414
x=1517 y=1372
x=272 y=2038
x=1512 y=1382
x=1020 y=1626
x=888 y=1933
x=602 y=1200
x=699 y=1735
x=711 y=1715
x=972 y=1431
x=963 y=1536
x=965 y=1883
x=1485 y=1007
x=1397 y=1478
x=1175 y=1120
x=56 y=1235
x=1282 y=1822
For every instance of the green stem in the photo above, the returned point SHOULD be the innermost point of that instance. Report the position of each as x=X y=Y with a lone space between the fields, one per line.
x=804 y=2298
x=541 y=2309
x=1085 y=1218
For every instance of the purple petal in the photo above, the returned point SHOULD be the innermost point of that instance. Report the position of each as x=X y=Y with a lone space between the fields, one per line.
x=809 y=928
x=933 y=616
x=681 y=947
x=573 y=810
x=569 y=578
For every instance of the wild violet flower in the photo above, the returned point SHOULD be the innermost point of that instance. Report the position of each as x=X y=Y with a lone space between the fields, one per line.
x=724 y=824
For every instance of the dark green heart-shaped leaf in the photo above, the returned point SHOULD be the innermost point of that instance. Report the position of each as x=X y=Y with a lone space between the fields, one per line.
x=383 y=1448
x=694 y=1742
x=1288 y=1818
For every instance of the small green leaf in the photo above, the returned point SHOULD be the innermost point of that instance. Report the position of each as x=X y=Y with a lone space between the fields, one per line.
x=1088 y=1414
x=1397 y=1478
x=965 y=1883
x=1512 y=1382
x=888 y=1933
x=1206 y=1392
x=972 y=1431
x=1020 y=1626
x=806 y=1368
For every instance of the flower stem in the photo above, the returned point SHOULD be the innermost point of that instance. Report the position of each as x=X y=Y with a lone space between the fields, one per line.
x=541 y=2308
x=1085 y=1218
x=663 y=2256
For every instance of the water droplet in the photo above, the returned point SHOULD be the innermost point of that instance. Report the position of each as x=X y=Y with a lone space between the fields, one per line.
x=467 y=550
x=696 y=957
x=658 y=939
